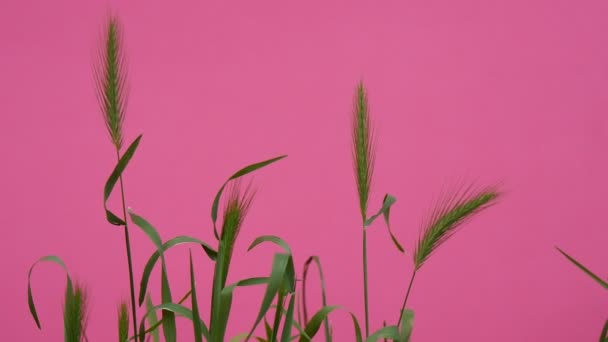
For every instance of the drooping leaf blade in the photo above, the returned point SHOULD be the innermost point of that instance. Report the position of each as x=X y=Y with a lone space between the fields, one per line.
x=30 y=296
x=196 y=317
x=387 y=203
x=239 y=173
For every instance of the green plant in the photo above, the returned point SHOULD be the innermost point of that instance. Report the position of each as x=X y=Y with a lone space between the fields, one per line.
x=603 y=283
x=281 y=302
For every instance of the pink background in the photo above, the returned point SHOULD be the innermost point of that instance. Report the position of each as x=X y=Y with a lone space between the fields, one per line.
x=486 y=90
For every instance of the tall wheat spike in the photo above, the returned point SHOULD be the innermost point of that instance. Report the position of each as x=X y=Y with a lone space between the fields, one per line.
x=363 y=163
x=110 y=77
x=452 y=210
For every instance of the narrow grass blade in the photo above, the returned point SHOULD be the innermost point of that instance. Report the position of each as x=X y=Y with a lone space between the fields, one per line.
x=196 y=317
x=275 y=282
x=267 y=329
x=391 y=332
x=114 y=177
x=604 y=334
x=75 y=314
x=312 y=327
x=277 y=315
x=123 y=322
x=272 y=239
x=584 y=269
x=145 y=278
x=288 y=323
x=177 y=309
x=449 y=215
x=152 y=319
x=317 y=261
x=30 y=295
x=240 y=173
x=168 y=322
x=385 y=211
x=406 y=325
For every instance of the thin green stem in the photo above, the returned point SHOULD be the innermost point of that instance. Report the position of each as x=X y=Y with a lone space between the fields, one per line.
x=365 y=296
x=407 y=294
x=128 y=247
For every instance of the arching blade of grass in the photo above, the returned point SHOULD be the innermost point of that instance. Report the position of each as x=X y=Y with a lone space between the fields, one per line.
x=30 y=295
x=246 y=170
x=315 y=259
x=584 y=269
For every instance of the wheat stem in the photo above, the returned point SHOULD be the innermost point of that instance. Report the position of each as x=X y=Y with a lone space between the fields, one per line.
x=365 y=289
x=128 y=247
x=407 y=295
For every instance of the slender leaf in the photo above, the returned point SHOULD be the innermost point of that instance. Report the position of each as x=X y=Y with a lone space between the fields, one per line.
x=315 y=322
x=114 y=177
x=30 y=295
x=196 y=317
x=152 y=319
x=604 y=334
x=328 y=337
x=584 y=269
x=286 y=336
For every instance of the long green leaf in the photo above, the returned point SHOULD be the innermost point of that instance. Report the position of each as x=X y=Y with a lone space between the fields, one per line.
x=30 y=296
x=196 y=317
x=385 y=211
x=286 y=336
x=275 y=281
x=584 y=269
x=145 y=278
x=239 y=173
x=152 y=319
x=114 y=177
